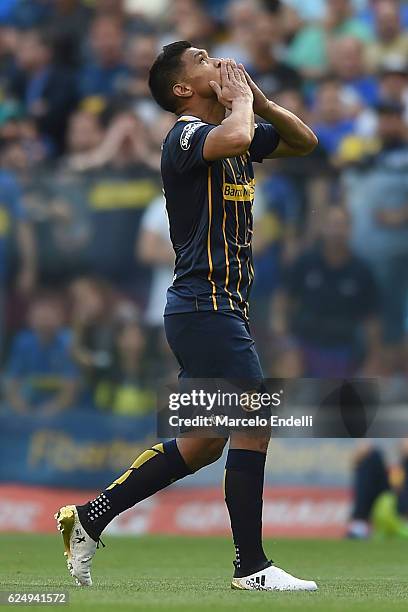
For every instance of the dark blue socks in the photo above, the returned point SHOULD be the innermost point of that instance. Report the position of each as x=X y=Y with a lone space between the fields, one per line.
x=244 y=480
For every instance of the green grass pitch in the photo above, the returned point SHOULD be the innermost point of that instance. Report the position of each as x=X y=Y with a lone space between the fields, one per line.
x=158 y=573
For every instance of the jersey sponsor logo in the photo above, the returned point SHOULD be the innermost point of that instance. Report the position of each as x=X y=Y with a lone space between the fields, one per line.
x=186 y=134
x=245 y=192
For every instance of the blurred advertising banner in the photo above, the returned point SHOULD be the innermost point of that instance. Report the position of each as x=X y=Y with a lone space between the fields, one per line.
x=288 y=511
x=76 y=449
x=88 y=450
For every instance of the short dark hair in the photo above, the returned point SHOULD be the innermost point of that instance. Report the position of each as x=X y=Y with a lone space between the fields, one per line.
x=164 y=74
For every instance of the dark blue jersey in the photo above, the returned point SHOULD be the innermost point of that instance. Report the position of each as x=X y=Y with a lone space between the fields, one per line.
x=209 y=205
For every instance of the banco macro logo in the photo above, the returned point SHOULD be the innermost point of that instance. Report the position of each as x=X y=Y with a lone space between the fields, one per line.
x=244 y=192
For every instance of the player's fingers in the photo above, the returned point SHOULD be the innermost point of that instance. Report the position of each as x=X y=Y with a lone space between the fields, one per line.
x=242 y=67
x=243 y=77
x=230 y=71
x=234 y=69
x=236 y=72
x=224 y=73
x=239 y=74
x=247 y=77
x=217 y=89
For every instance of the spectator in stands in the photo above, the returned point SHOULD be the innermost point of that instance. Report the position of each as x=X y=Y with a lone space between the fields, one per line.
x=347 y=62
x=125 y=389
x=276 y=215
x=141 y=52
x=93 y=324
x=157 y=125
x=333 y=121
x=119 y=180
x=310 y=180
x=367 y=13
x=69 y=21
x=391 y=40
x=394 y=82
x=380 y=495
x=110 y=8
x=122 y=185
x=27 y=14
x=377 y=193
x=328 y=304
x=6 y=10
x=18 y=254
x=102 y=73
x=25 y=152
x=240 y=17
x=393 y=87
x=8 y=45
x=16 y=236
x=313 y=10
x=271 y=73
x=308 y=50
x=47 y=91
x=154 y=249
x=59 y=206
x=40 y=373
x=85 y=132
x=189 y=20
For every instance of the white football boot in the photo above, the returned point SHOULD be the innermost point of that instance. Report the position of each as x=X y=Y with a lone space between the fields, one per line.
x=272 y=578
x=79 y=547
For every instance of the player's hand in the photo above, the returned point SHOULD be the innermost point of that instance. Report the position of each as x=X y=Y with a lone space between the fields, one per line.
x=260 y=100
x=234 y=85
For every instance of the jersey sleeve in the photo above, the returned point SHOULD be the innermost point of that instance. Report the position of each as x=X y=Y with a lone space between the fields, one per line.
x=186 y=145
x=264 y=142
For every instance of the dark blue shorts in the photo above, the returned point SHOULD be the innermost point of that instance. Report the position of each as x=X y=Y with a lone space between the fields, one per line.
x=213 y=344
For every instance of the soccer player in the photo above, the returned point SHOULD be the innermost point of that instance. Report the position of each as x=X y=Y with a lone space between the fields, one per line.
x=209 y=183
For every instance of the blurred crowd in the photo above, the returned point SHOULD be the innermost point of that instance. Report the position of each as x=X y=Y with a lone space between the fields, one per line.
x=85 y=258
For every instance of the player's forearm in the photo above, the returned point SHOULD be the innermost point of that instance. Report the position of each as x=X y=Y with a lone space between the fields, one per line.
x=290 y=128
x=239 y=125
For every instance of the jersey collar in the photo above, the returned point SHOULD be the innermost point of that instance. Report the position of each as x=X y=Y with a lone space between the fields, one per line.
x=188 y=118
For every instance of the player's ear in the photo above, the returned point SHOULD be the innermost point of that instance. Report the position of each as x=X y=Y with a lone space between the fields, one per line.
x=181 y=90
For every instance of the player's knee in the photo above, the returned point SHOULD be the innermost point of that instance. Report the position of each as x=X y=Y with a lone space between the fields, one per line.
x=199 y=452
x=217 y=448
x=258 y=442
x=212 y=450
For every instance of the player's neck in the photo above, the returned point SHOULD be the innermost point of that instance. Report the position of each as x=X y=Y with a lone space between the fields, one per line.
x=209 y=111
